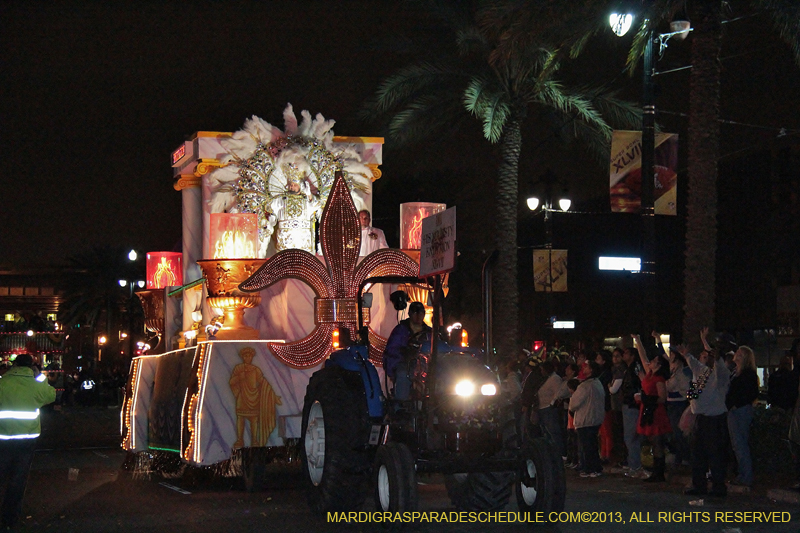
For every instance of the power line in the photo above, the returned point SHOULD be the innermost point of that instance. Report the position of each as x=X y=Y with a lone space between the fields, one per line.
x=782 y=131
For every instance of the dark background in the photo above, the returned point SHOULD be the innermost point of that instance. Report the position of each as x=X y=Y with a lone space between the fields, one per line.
x=96 y=95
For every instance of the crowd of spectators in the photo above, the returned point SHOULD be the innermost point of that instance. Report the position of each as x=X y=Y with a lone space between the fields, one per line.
x=600 y=408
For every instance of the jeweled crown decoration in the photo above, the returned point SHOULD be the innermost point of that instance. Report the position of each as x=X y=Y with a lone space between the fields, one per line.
x=262 y=160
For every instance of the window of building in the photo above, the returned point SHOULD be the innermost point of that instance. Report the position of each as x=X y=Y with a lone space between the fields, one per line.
x=51 y=317
x=9 y=317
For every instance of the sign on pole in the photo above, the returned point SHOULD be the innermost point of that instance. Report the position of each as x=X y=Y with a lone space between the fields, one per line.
x=550 y=270
x=438 y=251
x=626 y=173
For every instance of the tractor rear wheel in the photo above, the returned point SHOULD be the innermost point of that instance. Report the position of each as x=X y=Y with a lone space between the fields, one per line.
x=335 y=433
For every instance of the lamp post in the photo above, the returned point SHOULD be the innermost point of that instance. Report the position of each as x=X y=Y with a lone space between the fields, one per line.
x=620 y=24
x=101 y=341
x=549 y=180
x=131 y=284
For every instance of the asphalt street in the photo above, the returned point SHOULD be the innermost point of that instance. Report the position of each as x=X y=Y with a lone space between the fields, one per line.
x=78 y=483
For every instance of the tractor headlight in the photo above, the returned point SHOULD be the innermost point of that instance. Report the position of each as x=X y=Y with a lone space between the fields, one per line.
x=465 y=388
x=488 y=389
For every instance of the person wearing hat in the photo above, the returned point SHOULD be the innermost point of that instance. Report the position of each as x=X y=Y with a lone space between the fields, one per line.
x=21 y=396
x=405 y=342
x=532 y=380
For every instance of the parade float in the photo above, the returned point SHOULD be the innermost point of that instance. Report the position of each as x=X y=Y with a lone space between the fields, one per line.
x=278 y=207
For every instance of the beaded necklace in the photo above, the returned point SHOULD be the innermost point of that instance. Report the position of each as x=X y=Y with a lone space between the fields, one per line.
x=697 y=387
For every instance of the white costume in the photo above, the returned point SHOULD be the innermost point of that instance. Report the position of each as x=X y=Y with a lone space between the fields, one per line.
x=372 y=239
x=295 y=215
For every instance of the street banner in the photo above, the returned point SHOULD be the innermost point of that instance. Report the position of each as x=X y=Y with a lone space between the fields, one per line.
x=438 y=252
x=626 y=172
x=550 y=270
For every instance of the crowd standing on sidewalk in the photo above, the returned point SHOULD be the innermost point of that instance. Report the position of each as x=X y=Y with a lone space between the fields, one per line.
x=601 y=406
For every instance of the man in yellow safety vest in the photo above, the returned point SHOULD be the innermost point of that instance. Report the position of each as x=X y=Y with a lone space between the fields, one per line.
x=22 y=393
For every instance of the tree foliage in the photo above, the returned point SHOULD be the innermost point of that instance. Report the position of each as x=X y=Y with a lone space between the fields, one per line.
x=503 y=82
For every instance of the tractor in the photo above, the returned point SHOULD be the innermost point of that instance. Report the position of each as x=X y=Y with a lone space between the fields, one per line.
x=455 y=423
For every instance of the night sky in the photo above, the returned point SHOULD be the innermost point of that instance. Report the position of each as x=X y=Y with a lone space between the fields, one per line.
x=96 y=95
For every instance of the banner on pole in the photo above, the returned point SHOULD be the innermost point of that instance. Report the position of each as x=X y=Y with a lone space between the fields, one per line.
x=550 y=270
x=626 y=173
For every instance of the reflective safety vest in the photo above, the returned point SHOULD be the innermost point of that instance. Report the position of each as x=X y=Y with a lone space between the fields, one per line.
x=21 y=396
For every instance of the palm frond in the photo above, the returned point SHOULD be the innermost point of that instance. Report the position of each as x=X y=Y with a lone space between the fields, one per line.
x=492 y=107
x=411 y=81
x=618 y=113
x=785 y=16
x=470 y=40
x=552 y=94
x=425 y=117
x=638 y=45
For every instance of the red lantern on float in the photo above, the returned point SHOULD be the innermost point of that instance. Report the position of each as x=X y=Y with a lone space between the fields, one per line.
x=164 y=269
x=233 y=236
x=411 y=215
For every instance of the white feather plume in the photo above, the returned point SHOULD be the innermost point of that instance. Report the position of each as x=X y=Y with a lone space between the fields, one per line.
x=244 y=143
x=289 y=121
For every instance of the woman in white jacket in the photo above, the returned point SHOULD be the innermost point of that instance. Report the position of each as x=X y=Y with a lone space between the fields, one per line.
x=588 y=405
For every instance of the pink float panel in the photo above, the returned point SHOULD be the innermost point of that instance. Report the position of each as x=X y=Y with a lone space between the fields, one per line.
x=411 y=215
x=233 y=236
x=164 y=269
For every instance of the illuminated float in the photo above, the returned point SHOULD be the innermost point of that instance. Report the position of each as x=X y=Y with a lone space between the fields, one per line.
x=236 y=366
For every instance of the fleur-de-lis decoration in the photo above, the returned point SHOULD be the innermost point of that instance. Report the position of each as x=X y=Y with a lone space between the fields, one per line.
x=335 y=282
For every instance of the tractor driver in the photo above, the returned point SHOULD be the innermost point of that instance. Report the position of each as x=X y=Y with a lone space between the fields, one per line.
x=404 y=343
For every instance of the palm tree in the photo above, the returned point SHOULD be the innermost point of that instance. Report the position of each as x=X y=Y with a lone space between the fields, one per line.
x=578 y=22
x=504 y=91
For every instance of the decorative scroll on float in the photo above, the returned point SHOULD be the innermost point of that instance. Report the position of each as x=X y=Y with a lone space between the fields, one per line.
x=153 y=307
x=335 y=283
x=223 y=277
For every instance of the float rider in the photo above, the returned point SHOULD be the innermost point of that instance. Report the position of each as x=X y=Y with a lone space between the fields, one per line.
x=405 y=342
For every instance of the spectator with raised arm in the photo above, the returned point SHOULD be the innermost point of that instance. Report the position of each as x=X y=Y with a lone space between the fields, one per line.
x=653 y=421
x=677 y=388
x=710 y=382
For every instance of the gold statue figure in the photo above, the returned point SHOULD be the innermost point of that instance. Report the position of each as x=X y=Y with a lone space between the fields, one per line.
x=255 y=401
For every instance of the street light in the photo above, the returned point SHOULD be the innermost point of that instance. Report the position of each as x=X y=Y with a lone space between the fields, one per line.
x=132 y=257
x=620 y=24
x=550 y=181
